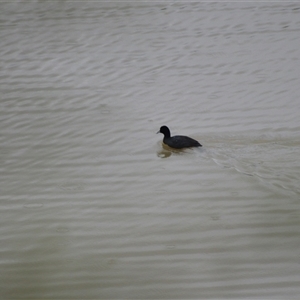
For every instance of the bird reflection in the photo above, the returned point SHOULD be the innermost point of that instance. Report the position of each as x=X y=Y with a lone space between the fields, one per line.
x=167 y=151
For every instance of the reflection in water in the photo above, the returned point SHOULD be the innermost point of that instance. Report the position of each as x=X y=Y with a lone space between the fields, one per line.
x=167 y=151
x=164 y=153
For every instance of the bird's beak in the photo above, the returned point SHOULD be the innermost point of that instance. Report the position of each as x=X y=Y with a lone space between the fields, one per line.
x=157 y=132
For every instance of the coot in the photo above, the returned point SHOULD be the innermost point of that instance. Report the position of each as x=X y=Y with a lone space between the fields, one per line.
x=177 y=141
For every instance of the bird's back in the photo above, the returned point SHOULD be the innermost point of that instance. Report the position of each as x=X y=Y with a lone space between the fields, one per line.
x=180 y=141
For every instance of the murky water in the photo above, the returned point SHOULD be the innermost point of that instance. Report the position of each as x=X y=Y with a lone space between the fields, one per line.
x=94 y=206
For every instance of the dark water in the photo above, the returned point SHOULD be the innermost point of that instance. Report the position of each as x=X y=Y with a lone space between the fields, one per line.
x=93 y=205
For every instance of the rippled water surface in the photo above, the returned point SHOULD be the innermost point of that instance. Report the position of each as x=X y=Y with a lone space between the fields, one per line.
x=93 y=205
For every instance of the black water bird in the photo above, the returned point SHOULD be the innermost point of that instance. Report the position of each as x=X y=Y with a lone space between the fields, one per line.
x=177 y=141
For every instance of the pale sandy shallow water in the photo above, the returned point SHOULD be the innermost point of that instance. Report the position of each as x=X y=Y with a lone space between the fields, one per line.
x=92 y=204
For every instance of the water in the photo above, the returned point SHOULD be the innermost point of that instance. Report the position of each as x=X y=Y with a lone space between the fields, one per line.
x=94 y=206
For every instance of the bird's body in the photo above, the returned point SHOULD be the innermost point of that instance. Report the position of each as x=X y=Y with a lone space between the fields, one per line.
x=177 y=141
